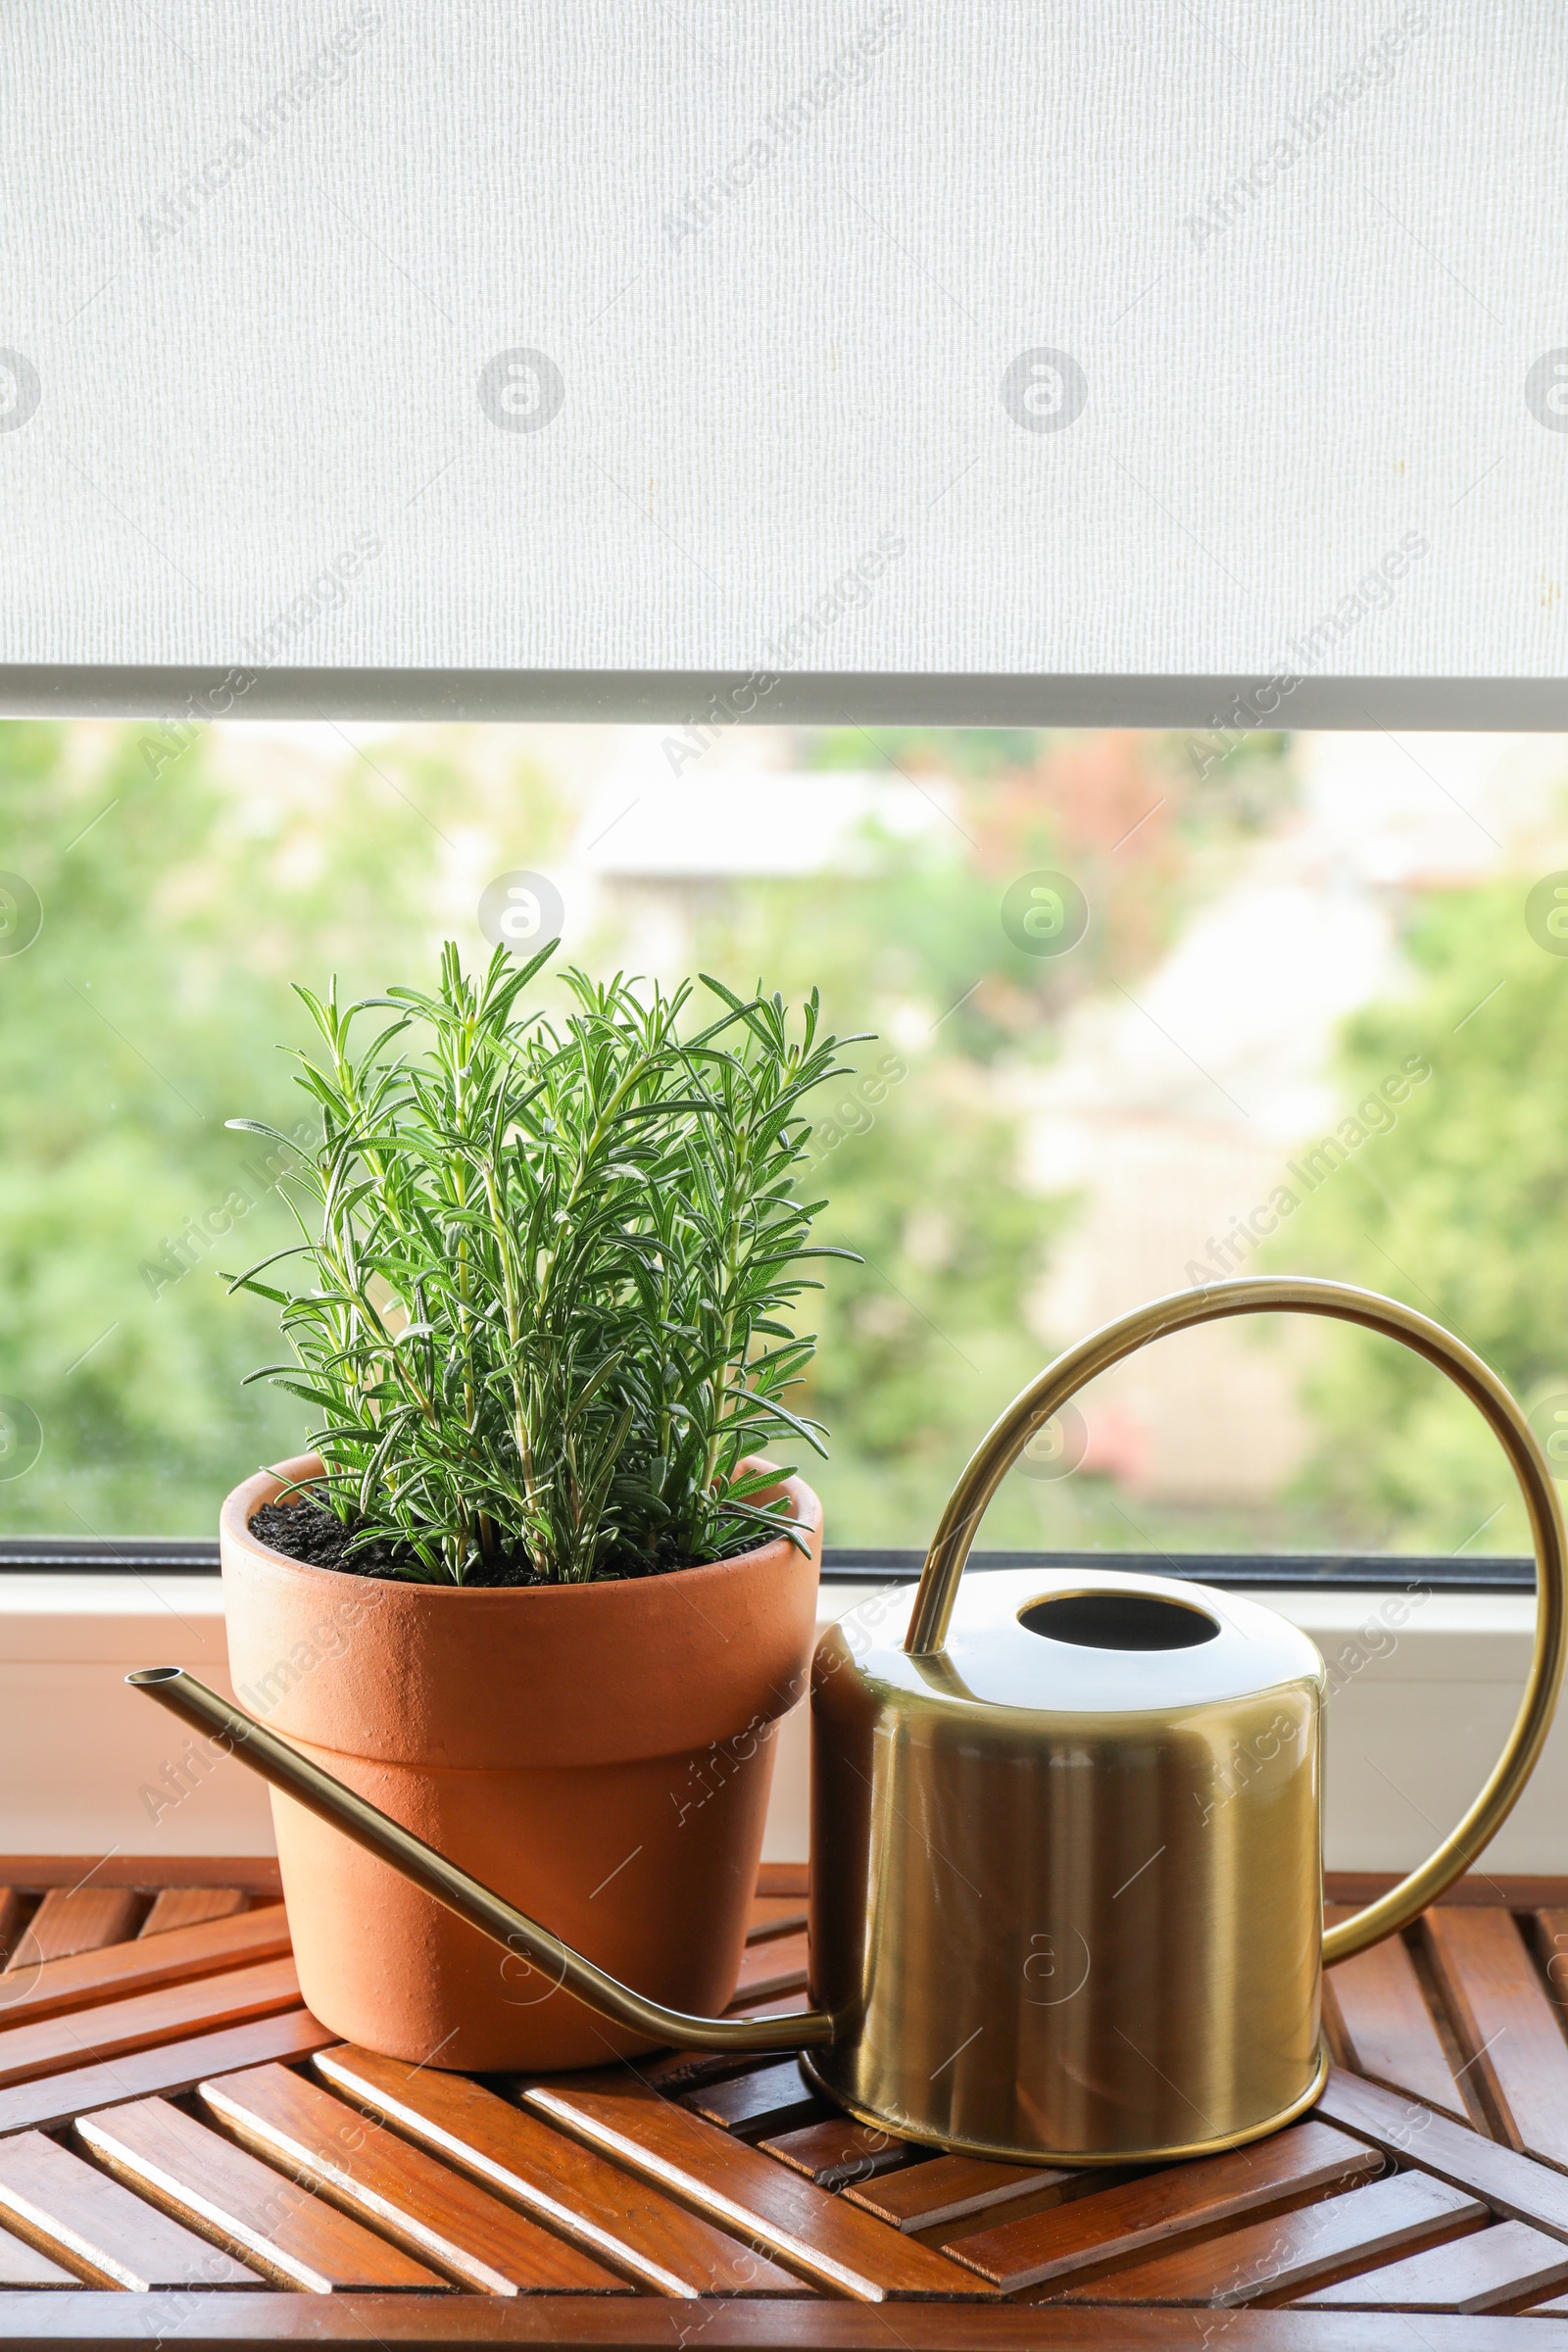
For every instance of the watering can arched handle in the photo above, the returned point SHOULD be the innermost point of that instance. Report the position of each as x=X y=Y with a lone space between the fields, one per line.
x=1297 y=1295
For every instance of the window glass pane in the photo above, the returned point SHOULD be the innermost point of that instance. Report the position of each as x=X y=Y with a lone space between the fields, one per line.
x=1147 y=1010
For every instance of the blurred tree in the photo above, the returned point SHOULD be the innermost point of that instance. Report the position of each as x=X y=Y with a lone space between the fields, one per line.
x=176 y=910
x=1458 y=1208
x=922 y=1157
x=923 y=1343
x=1145 y=824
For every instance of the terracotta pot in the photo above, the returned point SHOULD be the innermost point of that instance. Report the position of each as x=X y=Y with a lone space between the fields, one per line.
x=599 y=1754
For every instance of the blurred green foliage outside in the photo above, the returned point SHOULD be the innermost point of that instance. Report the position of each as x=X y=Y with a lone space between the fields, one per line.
x=1462 y=1210
x=182 y=893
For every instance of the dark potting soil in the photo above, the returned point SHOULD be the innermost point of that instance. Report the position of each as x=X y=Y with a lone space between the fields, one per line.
x=306 y=1530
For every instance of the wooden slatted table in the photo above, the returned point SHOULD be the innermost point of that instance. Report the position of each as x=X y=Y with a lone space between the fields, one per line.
x=187 y=2157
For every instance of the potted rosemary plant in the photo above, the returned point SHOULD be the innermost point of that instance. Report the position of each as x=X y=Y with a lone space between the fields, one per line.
x=536 y=1592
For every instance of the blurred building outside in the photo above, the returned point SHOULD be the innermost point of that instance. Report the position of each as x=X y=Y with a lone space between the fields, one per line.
x=1172 y=1114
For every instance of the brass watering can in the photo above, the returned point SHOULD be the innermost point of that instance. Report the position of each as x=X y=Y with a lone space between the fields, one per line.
x=1066 y=1883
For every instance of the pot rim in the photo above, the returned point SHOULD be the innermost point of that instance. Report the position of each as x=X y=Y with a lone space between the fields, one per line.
x=262 y=1486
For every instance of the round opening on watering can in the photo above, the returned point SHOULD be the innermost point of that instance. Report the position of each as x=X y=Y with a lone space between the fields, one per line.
x=1119 y=1620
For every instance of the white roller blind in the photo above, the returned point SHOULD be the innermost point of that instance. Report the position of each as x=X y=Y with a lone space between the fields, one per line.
x=1140 y=338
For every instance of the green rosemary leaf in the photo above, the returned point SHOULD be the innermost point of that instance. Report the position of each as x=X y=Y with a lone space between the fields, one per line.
x=550 y=1267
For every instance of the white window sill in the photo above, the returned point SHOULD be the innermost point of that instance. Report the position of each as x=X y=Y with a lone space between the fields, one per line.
x=87 y=1767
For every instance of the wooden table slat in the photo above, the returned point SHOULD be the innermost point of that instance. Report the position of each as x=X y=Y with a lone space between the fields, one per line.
x=841 y=2152
x=743 y=2190
x=114 y=2028
x=115 y=1971
x=948 y=2189
x=258 y=1873
x=1308 y=2160
x=76 y=1919
x=1548 y=1933
x=167 y=2067
x=82 y=2320
x=776 y=1966
x=1275 y=2256
x=101 y=2231
x=774 y=1915
x=189 y=1906
x=21 y=2265
x=794 y=1879
x=768 y=2098
x=1510 y=2029
x=1481 y=2272
x=1515 y=2185
x=283 y=2230
x=13 y=1909
x=607 y=2211
x=771 y=2004
x=677 y=2071
x=438 y=2215
x=1374 y=2008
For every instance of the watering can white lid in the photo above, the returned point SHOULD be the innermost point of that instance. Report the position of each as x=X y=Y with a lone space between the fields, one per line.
x=991 y=1659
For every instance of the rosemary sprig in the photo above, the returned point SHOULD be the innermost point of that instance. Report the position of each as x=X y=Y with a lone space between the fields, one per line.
x=551 y=1270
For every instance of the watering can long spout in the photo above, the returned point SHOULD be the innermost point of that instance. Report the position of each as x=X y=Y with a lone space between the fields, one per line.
x=277 y=1761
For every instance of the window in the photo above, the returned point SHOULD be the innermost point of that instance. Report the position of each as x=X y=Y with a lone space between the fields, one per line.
x=1147 y=1010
